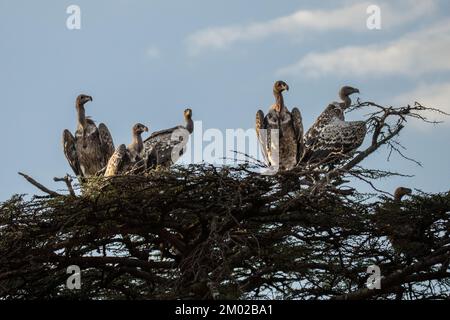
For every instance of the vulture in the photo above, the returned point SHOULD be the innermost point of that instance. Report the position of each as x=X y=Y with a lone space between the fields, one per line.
x=406 y=232
x=401 y=192
x=169 y=144
x=89 y=151
x=128 y=158
x=331 y=134
x=284 y=152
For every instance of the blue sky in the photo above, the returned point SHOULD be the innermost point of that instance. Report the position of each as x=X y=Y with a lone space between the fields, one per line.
x=145 y=61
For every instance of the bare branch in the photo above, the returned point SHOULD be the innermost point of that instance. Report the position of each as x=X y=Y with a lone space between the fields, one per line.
x=39 y=186
x=68 y=181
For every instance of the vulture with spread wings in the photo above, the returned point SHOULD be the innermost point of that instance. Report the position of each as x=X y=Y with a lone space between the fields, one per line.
x=89 y=150
x=280 y=132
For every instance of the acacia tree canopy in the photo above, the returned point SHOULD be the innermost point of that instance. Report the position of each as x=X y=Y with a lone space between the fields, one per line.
x=202 y=232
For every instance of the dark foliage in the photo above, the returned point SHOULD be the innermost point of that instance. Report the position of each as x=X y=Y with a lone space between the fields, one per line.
x=205 y=232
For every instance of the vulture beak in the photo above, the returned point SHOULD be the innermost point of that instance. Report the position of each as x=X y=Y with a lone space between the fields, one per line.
x=356 y=90
x=90 y=98
x=286 y=87
x=145 y=129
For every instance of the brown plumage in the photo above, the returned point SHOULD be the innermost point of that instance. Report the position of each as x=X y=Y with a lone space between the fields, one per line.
x=331 y=134
x=89 y=151
x=169 y=144
x=401 y=192
x=125 y=158
x=286 y=153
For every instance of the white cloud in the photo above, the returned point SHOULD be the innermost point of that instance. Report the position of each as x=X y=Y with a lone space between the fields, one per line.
x=414 y=54
x=351 y=17
x=430 y=95
x=153 y=52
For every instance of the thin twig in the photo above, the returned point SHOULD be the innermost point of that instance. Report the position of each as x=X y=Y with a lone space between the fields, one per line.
x=40 y=186
x=68 y=181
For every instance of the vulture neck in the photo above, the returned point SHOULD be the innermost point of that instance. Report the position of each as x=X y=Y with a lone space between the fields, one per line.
x=279 y=101
x=347 y=101
x=189 y=125
x=81 y=115
x=137 y=143
x=398 y=197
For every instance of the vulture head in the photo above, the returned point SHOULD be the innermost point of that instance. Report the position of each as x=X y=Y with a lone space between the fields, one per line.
x=188 y=120
x=278 y=89
x=280 y=86
x=400 y=192
x=82 y=99
x=346 y=91
x=188 y=114
x=139 y=128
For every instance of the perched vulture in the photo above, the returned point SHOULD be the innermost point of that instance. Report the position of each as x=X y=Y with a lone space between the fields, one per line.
x=401 y=192
x=89 y=151
x=284 y=152
x=331 y=134
x=406 y=231
x=127 y=158
x=169 y=144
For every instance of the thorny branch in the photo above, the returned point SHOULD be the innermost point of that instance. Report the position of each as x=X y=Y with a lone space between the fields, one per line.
x=204 y=232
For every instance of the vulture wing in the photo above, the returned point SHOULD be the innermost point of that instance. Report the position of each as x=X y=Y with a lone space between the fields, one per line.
x=311 y=138
x=70 y=151
x=168 y=144
x=333 y=111
x=341 y=139
x=263 y=134
x=161 y=133
x=106 y=141
x=297 y=123
x=151 y=159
